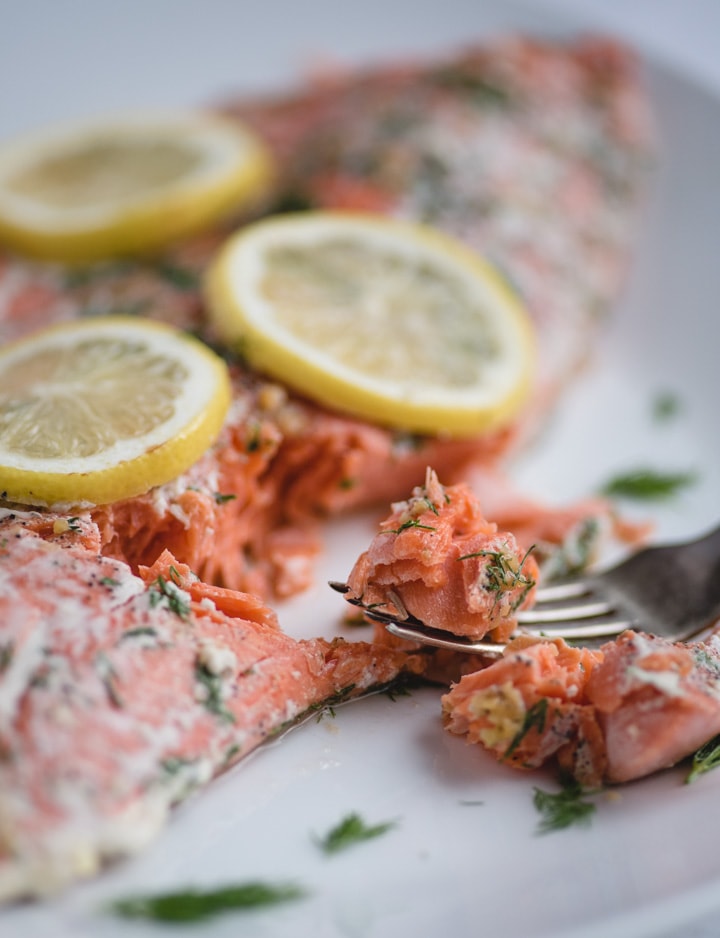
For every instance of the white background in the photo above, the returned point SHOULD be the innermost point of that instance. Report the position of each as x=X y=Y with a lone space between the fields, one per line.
x=61 y=58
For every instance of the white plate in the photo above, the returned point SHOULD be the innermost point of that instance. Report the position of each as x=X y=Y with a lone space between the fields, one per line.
x=650 y=861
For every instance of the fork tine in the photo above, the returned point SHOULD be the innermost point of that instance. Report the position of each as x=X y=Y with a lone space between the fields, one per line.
x=585 y=610
x=555 y=592
x=338 y=586
x=582 y=629
x=439 y=641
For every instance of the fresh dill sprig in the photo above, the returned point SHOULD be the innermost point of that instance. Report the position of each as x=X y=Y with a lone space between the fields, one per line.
x=193 y=905
x=647 y=484
x=704 y=760
x=564 y=808
x=352 y=830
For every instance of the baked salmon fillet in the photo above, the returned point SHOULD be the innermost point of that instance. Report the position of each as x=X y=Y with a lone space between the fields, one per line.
x=532 y=152
x=120 y=694
x=635 y=706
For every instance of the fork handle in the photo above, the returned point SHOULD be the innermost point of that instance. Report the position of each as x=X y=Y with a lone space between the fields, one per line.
x=674 y=587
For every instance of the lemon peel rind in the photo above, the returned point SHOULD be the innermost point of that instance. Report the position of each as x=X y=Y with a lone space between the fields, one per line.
x=456 y=414
x=138 y=230
x=161 y=465
x=128 y=478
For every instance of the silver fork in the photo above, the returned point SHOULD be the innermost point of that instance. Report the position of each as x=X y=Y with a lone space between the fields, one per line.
x=671 y=590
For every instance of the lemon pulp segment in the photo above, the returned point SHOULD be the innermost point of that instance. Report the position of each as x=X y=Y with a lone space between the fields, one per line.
x=128 y=186
x=390 y=321
x=102 y=409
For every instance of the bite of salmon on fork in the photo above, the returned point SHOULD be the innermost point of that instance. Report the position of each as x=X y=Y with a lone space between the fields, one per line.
x=120 y=694
x=438 y=561
x=671 y=590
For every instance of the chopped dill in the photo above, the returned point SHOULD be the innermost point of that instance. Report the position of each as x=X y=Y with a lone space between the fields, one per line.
x=397 y=690
x=411 y=523
x=564 y=808
x=7 y=651
x=647 y=484
x=109 y=677
x=142 y=631
x=174 y=764
x=221 y=498
x=192 y=905
x=328 y=705
x=213 y=700
x=181 y=277
x=665 y=406
x=325 y=711
x=704 y=760
x=167 y=591
x=253 y=438
x=534 y=717
x=232 y=752
x=352 y=830
x=109 y=581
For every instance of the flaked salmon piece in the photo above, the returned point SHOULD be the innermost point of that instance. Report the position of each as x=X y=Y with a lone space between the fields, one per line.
x=438 y=559
x=119 y=694
x=529 y=707
x=635 y=706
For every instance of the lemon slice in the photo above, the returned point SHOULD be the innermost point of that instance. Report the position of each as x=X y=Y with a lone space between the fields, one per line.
x=128 y=186
x=389 y=321
x=102 y=409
